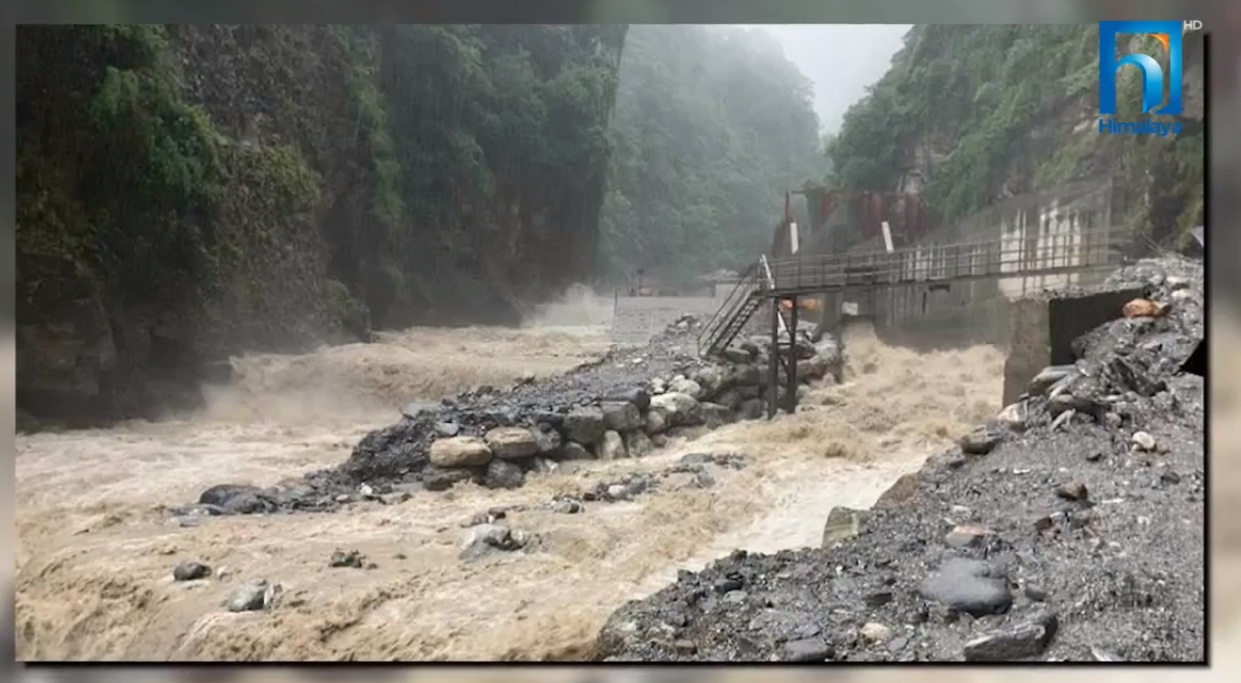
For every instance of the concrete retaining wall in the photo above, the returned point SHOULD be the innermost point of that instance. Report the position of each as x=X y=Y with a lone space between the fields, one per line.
x=1043 y=331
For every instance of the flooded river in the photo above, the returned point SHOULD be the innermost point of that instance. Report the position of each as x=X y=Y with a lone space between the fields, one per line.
x=95 y=549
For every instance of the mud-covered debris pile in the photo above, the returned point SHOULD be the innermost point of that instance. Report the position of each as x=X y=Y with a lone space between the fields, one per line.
x=624 y=405
x=1068 y=528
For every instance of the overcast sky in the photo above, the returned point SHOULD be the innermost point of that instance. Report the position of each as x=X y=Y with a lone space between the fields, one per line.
x=841 y=59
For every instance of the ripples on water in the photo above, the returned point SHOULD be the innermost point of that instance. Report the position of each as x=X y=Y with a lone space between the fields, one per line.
x=94 y=552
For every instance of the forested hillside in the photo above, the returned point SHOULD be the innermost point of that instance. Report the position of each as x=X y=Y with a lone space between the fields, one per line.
x=982 y=113
x=186 y=192
x=712 y=125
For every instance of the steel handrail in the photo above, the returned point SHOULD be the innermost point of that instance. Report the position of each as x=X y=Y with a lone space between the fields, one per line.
x=729 y=301
x=1113 y=235
x=1005 y=257
x=731 y=304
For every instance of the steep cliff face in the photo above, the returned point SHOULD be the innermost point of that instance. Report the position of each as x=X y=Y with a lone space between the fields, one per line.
x=972 y=115
x=187 y=192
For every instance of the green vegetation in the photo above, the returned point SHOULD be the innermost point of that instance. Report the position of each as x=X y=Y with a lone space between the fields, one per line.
x=712 y=126
x=237 y=177
x=261 y=184
x=998 y=106
x=119 y=185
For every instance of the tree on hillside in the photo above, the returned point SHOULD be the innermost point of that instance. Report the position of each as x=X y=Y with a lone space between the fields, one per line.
x=712 y=125
x=998 y=111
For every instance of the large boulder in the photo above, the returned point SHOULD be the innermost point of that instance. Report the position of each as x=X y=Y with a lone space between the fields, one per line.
x=715 y=415
x=548 y=439
x=612 y=447
x=753 y=409
x=711 y=378
x=749 y=375
x=684 y=385
x=677 y=408
x=656 y=421
x=571 y=450
x=239 y=499
x=460 y=451
x=621 y=416
x=638 y=444
x=502 y=474
x=512 y=443
x=636 y=395
x=585 y=425
x=443 y=478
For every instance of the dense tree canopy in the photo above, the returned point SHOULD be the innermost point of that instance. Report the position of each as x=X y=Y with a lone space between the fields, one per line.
x=712 y=125
x=165 y=163
x=999 y=109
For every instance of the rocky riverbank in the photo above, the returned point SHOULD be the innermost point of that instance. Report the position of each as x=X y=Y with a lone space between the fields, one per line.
x=624 y=405
x=1069 y=528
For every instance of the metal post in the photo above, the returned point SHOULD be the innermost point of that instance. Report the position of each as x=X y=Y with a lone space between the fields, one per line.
x=773 y=382
x=792 y=362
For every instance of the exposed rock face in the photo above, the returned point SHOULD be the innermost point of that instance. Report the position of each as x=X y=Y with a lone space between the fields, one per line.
x=136 y=279
x=1030 y=543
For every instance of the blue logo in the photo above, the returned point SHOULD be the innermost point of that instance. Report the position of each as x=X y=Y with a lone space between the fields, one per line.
x=1168 y=35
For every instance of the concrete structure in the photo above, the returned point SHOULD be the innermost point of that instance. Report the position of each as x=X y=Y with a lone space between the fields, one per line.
x=1047 y=229
x=1038 y=229
x=1043 y=330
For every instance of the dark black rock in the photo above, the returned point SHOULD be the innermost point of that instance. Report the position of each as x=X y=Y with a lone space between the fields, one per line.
x=571 y=450
x=736 y=355
x=585 y=425
x=442 y=479
x=350 y=558
x=878 y=599
x=221 y=494
x=806 y=650
x=190 y=571
x=621 y=416
x=1027 y=639
x=240 y=499
x=503 y=474
x=638 y=396
x=972 y=587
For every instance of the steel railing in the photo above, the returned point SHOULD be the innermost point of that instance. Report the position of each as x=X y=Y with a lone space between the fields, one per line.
x=746 y=287
x=995 y=258
x=1011 y=256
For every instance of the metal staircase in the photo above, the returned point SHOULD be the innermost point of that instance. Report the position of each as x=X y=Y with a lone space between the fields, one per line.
x=737 y=310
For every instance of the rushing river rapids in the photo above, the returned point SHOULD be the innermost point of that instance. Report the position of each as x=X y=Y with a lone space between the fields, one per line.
x=95 y=550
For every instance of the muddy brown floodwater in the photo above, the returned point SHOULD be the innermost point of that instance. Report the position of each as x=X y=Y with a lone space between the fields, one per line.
x=95 y=552
x=81 y=628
